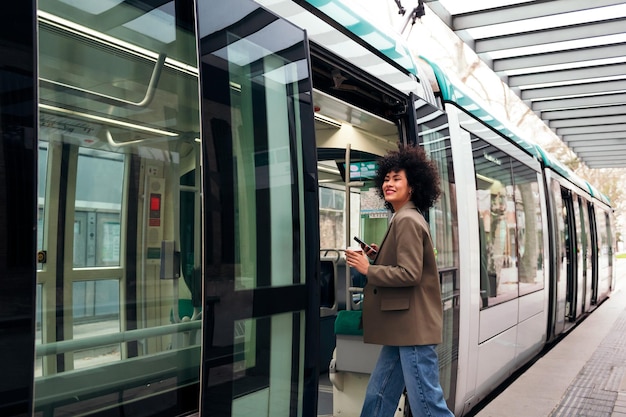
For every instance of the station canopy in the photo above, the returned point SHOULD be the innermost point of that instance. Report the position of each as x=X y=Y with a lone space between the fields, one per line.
x=565 y=59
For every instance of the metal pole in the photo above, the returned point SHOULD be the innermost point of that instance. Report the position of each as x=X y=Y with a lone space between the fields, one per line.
x=347 y=219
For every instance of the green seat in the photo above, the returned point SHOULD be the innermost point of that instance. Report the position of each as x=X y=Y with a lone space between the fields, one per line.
x=349 y=322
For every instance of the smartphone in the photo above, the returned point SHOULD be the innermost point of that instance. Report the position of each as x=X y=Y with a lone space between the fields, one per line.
x=367 y=247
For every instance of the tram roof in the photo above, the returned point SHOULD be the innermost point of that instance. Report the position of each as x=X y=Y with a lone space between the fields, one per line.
x=385 y=41
x=564 y=59
x=397 y=50
x=453 y=92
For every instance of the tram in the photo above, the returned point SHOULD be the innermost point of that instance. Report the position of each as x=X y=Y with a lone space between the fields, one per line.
x=189 y=174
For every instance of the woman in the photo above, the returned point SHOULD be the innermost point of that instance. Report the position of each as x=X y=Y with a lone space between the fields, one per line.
x=402 y=298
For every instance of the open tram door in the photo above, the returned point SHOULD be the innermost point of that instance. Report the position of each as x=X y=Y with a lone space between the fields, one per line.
x=260 y=214
x=349 y=206
x=355 y=124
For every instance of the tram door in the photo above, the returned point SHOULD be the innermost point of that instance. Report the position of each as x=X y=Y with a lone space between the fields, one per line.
x=349 y=206
x=587 y=255
x=572 y=249
x=561 y=259
x=352 y=130
x=137 y=290
x=594 y=253
x=260 y=229
x=119 y=306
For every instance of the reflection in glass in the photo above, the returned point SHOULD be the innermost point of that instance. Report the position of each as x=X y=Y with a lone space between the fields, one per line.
x=255 y=102
x=529 y=229
x=586 y=243
x=497 y=224
x=261 y=381
x=96 y=309
x=442 y=216
x=119 y=131
x=510 y=225
x=97 y=208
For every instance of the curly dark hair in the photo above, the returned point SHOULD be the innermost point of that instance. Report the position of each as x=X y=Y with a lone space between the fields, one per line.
x=421 y=173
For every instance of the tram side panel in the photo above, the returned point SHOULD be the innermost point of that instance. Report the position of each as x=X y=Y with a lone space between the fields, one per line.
x=503 y=248
x=469 y=264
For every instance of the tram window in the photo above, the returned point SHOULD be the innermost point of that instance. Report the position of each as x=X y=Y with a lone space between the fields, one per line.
x=529 y=225
x=578 y=235
x=560 y=245
x=96 y=310
x=38 y=328
x=332 y=229
x=609 y=249
x=97 y=211
x=585 y=241
x=604 y=253
x=497 y=223
x=332 y=219
x=332 y=200
x=434 y=136
x=40 y=232
x=38 y=314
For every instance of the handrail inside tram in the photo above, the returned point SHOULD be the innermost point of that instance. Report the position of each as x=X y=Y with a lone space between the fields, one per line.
x=144 y=102
x=119 y=337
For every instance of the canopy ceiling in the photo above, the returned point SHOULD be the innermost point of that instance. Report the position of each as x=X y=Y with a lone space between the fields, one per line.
x=565 y=59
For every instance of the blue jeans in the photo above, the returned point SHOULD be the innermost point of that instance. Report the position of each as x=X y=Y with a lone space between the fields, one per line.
x=413 y=367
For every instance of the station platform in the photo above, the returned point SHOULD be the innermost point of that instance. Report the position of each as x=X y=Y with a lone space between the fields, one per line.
x=584 y=374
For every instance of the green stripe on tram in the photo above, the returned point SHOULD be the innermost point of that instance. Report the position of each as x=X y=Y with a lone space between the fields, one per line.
x=395 y=48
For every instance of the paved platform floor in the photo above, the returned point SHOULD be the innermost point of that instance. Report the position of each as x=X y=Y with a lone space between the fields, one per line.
x=584 y=375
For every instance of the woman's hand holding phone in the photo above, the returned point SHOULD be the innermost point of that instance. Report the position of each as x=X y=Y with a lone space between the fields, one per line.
x=370 y=250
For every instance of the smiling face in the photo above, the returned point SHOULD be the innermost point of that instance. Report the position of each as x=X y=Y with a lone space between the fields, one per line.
x=396 y=189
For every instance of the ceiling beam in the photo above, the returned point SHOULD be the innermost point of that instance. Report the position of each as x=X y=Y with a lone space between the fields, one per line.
x=522 y=11
x=587 y=121
x=581 y=130
x=588 y=112
x=510 y=42
x=610 y=138
x=568 y=75
x=578 y=102
x=574 y=90
x=531 y=63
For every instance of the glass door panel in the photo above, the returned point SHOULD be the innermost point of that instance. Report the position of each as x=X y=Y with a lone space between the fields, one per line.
x=260 y=250
x=119 y=330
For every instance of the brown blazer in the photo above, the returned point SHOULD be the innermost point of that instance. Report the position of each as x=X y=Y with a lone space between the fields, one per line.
x=402 y=297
